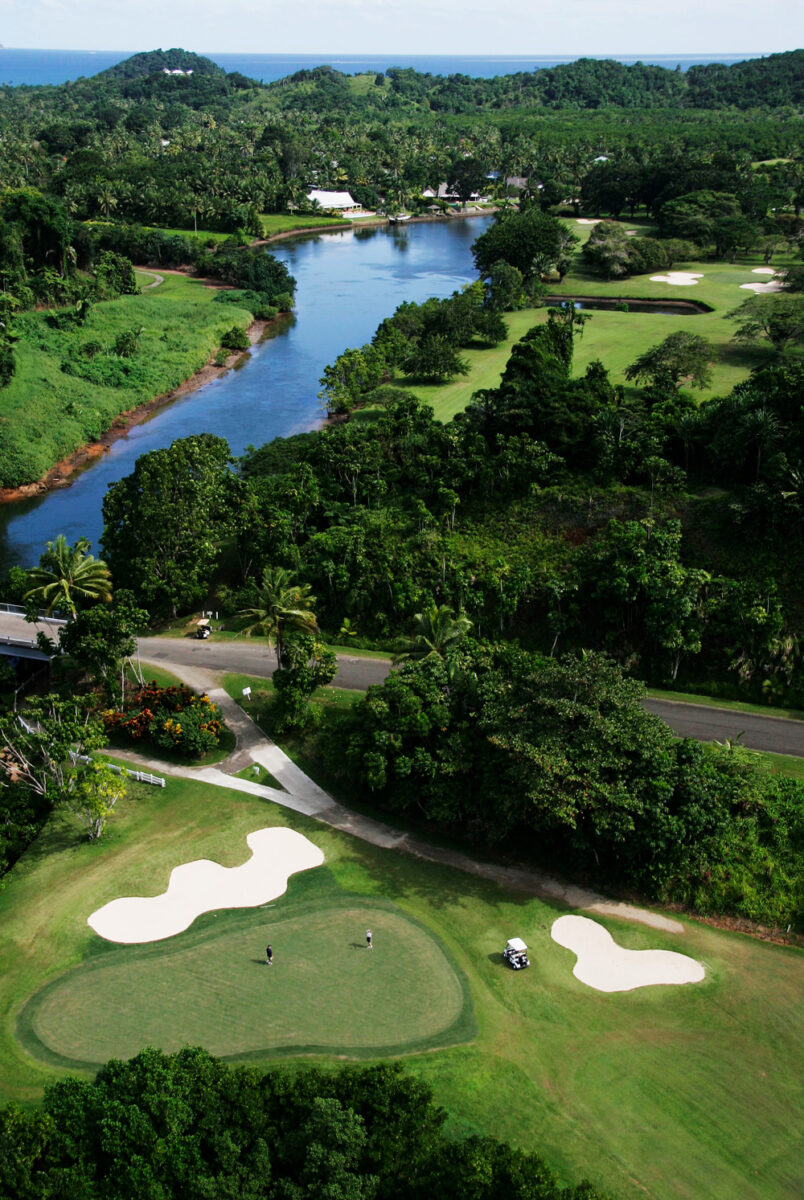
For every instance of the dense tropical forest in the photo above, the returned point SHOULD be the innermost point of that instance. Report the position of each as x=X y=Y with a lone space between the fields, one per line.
x=569 y=531
x=558 y=512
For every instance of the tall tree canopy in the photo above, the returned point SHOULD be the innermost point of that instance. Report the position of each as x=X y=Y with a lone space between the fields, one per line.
x=164 y=523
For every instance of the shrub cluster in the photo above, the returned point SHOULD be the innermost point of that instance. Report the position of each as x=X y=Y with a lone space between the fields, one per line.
x=613 y=254
x=257 y=302
x=173 y=718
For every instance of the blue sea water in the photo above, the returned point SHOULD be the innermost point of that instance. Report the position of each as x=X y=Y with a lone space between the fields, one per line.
x=57 y=66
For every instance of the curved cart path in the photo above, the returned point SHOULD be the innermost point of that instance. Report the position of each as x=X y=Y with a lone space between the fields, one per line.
x=157 y=279
x=303 y=795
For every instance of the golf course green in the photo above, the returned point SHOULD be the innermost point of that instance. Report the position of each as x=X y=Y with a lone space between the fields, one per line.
x=648 y=1092
x=211 y=986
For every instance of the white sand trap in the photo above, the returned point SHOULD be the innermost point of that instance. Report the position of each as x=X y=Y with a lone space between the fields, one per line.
x=201 y=886
x=762 y=271
x=772 y=286
x=586 y=221
x=678 y=278
x=604 y=965
x=631 y=232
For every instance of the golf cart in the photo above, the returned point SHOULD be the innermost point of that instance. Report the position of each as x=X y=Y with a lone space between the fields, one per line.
x=516 y=954
x=202 y=629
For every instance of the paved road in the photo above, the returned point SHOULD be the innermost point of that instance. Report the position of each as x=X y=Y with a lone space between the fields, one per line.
x=253 y=658
x=779 y=734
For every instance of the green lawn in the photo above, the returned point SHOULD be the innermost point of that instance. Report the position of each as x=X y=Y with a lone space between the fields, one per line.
x=343 y=998
x=781 y=764
x=273 y=223
x=648 y=1093
x=258 y=774
x=150 y=674
x=47 y=414
x=262 y=690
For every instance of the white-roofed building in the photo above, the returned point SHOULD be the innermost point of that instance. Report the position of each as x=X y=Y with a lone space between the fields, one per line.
x=341 y=201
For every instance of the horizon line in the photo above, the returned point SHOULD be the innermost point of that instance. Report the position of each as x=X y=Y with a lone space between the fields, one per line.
x=404 y=54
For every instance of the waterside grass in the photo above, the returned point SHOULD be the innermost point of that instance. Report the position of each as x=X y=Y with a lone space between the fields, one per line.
x=47 y=414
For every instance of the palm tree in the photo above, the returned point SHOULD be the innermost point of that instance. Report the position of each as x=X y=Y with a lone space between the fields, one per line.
x=282 y=605
x=763 y=428
x=68 y=573
x=106 y=199
x=436 y=634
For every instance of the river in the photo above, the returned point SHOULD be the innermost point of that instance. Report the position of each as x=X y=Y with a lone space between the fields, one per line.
x=347 y=282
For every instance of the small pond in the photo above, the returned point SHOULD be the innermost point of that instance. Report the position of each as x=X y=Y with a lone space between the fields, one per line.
x=675 y=308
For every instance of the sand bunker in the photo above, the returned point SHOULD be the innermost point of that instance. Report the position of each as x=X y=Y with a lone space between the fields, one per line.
x=678 y=278
x=586 y=221
x=772 y=286
x=762 y=271
x=604 y=965
x=202 y=886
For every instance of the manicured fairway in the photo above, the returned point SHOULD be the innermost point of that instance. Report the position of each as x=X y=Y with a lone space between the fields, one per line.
x=675 y=1093
x=618 y=338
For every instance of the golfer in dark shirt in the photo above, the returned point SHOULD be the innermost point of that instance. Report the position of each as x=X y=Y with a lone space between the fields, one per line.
x=269 y=956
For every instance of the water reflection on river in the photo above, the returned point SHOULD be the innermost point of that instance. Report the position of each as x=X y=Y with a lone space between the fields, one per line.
x=347 y=282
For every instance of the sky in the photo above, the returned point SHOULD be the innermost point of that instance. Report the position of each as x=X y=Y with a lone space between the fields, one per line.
x=515 y=27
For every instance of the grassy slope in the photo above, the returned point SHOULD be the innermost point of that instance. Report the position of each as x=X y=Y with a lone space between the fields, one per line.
x=762 y=710
x=618 y=338
x=46 y=415
x=647 y=1093
x=781 y=764
x=273 y=223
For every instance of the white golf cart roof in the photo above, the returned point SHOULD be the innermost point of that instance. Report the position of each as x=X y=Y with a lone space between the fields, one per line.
x=516 y=944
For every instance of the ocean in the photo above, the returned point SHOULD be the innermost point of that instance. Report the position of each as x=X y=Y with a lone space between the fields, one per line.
x=57 y=66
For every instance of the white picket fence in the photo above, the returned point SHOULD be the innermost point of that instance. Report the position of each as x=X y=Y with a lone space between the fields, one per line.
x=140 y=776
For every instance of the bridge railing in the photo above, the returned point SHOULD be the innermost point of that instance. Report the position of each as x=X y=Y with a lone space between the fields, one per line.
x=17 y=610
x=13 y=641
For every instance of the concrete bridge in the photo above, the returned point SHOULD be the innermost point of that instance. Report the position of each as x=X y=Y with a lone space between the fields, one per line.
x=18 y=636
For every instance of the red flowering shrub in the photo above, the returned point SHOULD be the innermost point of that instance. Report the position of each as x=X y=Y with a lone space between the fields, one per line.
x=173 y=718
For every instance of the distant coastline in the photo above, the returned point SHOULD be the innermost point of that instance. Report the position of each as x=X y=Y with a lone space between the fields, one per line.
x=20 y=66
